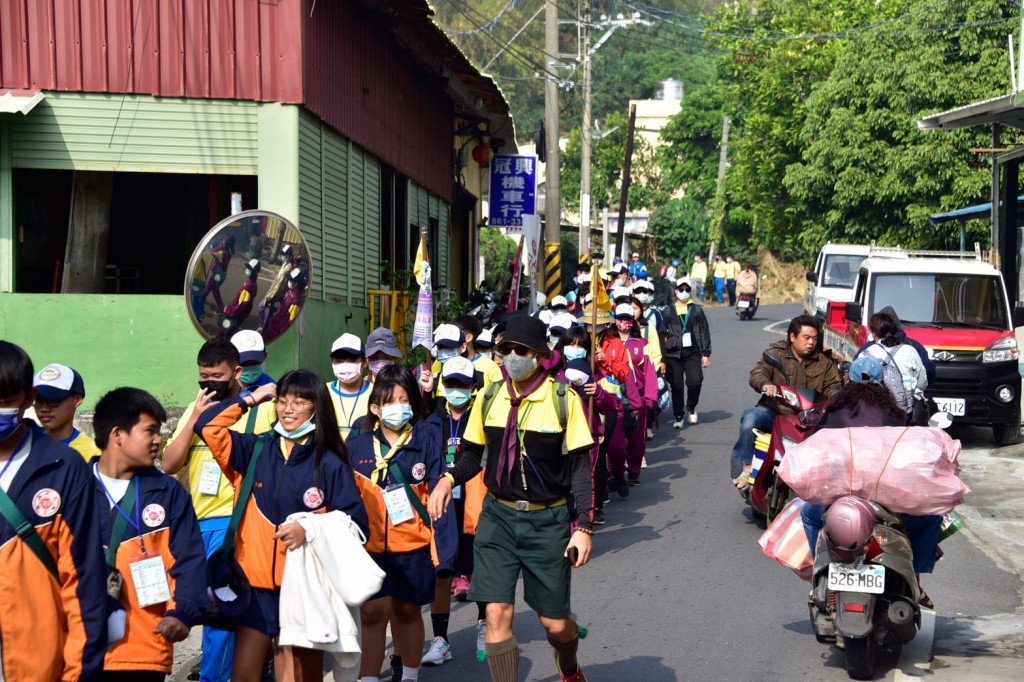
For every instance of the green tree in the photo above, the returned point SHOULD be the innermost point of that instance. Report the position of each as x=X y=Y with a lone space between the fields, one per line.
x=680 y=230
x=498 y=251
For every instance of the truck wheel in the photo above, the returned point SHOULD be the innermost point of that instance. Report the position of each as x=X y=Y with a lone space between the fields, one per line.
x=1006 y=434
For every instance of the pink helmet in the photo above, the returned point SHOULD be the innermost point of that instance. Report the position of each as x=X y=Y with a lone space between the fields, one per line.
x=849 y=523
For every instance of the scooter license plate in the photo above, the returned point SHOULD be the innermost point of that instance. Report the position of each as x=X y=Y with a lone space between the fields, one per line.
x=742 y=304
x=849 y=578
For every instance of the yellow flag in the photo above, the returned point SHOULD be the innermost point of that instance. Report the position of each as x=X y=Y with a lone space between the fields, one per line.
x=597 y=289
x=421 y=258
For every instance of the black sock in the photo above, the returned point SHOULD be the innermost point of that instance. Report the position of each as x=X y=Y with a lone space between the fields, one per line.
x=439 y=621
x=481 y=610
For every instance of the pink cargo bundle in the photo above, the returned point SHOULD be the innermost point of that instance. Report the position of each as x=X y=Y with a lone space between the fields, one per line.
x=909 y=470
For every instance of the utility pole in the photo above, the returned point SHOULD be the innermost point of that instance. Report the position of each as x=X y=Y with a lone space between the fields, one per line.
x=723 y=158
x=624 y=194
x=588 y=135
x=552 y=204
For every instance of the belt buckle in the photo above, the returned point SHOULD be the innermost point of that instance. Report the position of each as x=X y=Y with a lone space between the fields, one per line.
x=522 y=505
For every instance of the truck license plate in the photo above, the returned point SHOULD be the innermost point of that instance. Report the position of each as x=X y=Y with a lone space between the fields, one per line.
x=955 y=406
x=742 y=304
x=849 y=578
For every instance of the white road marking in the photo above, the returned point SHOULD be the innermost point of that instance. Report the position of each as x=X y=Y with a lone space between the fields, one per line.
x=769 y=328
x=915 y=658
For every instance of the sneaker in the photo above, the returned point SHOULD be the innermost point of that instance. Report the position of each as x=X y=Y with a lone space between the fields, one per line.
x=622 y=488
x=194 y=673
x=633 y=479
x=396 y=668
x=481 y=637
x=599 y=517
x=577 y=676
x=460 y=587
x=650 y=434
x=439 y=652
x=643 y=462
x=693 y=416
x=677 y=424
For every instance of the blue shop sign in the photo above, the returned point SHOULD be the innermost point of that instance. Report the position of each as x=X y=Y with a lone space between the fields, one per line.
x=513 y=190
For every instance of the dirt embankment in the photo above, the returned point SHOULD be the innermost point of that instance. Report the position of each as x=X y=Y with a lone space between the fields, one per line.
x=786 y=282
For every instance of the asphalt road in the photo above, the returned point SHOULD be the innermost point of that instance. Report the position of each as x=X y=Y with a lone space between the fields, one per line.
x=678 y=588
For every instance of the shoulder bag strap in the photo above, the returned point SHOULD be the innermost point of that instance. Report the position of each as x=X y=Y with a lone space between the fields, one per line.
x=27 y=532
x=250 y=422
x=120 y=523
x=414 y=499
x=227 y=549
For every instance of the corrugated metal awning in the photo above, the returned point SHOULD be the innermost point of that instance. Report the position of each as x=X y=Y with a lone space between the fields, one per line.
x=20 y=101
x=968 y=213
x=1006 y=109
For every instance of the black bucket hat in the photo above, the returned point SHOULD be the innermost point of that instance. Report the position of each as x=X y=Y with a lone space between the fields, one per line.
x=527 y=331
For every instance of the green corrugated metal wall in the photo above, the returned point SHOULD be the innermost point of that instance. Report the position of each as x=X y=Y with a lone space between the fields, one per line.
x=339 y=212
x=85 y=131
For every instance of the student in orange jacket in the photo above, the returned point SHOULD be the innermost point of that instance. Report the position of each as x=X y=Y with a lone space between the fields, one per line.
x=52 y=603
x=303 y=466
x=151 y=533
x=398 y=460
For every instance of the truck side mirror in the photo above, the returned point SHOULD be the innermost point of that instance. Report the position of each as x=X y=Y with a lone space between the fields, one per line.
x=854 y=312
x=812 y=276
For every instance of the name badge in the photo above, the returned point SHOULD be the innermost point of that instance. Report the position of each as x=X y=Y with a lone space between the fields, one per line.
x=687 y=340
x=149 y=578
x=209 y=479
x=398 y=505
x=457 y=492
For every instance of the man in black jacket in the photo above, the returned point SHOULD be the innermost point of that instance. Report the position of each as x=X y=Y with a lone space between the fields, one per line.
x=686 y=352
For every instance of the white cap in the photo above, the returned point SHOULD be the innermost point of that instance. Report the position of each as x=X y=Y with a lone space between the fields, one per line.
x=624 y=309
x=559 y=301
x=485 y=340
x=253 y=264
x=636 y=255
x=683 y=280
x=563 y=321
x=620 y=292
x=448 y=336
x=349 y=343
x=250 y=346
x=643 y=285
x=458 y=369
x=620 y=268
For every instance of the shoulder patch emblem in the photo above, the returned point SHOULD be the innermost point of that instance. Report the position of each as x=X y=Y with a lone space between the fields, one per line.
x=46 y=502
x=153 y=515
x=313 y=498
x=419 y=470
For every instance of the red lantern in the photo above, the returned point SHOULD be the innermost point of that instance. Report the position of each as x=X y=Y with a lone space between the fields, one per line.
x=482 y=154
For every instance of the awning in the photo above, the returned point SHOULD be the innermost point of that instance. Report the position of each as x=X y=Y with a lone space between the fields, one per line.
x=968 y=213
x=1006 y=109
x=19 y=101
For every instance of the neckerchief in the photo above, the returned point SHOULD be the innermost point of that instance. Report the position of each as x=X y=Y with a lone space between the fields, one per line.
x=382 y=461
x=510 y=440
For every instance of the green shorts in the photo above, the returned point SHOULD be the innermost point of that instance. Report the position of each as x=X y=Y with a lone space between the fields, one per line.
x=533 y=542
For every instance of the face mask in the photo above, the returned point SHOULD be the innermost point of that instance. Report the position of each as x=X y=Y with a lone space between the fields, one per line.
x=395 y=416
x=347 y=372
x=447 y=353
x=552 y=340
x=248 y=273
x=251 y=374
x=377 y=365
x=487 y=354
x=220 y=389
x=643 y=298
x=457 y=397
x=300 y=432
x=9 y=422
x=574 y=353
x=519 y=367
x=683 y=295
x=598 y=330
x=624 y=325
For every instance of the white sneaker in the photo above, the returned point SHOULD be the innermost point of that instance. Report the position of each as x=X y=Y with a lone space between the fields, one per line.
x=650 y=434
x=481 y=635
x=438 y=653
x=693 y=416
x=677 y=424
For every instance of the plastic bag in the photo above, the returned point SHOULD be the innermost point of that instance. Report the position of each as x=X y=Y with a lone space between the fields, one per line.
x=786 y=541
x=909 y=470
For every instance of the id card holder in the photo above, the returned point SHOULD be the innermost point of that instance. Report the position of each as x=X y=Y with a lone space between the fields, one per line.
x=397 y=503
x=209 y=479
x=149 y=577
x=687 y=340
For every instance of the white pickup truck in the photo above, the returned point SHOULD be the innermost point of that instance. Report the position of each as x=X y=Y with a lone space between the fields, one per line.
x=833 y=276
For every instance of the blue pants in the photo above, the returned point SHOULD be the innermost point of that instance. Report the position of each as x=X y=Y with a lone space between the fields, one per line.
x=719 y=287
x=757 y=417
x=218 y=645
x=922 y=531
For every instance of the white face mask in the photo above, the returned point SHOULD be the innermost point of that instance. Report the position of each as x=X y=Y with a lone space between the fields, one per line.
x=643 y=298
x=683 y=296
x=347 y=372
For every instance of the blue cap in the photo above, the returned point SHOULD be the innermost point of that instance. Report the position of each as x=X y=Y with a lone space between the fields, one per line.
x=866 y=370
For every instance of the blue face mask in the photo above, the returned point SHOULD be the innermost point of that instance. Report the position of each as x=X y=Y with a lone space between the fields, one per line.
x=457 y=397
x=395 y=416
x=487 y=354
x=9 y=422
x=298 y=433
x=251 y=374
x=447 y=353
x=574 y=353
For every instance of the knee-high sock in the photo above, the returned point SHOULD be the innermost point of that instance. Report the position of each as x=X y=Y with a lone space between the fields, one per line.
x=503 y=660
x=566 y=651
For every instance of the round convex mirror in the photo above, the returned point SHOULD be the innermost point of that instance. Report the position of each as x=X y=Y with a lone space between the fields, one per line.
x=251 y=271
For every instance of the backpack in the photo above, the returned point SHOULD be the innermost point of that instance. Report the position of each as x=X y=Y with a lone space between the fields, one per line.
x=892 y=377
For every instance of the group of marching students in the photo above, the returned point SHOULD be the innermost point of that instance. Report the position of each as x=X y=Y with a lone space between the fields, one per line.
x=428 y=474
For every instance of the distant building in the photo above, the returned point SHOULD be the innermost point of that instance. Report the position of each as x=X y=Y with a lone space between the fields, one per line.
x=654 y=114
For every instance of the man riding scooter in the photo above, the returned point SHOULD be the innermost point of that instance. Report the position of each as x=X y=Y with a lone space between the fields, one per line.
x=807 y=367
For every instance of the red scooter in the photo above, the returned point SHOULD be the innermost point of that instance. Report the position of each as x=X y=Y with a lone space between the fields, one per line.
x=767 y=495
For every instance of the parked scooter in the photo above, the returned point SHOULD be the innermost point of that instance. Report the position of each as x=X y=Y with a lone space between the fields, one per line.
x=767 y=494
x=746 y=305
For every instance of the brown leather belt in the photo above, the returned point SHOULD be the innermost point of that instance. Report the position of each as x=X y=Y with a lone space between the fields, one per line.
x=523 y=505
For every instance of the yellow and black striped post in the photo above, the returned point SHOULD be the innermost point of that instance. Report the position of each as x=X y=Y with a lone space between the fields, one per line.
x=552 y=270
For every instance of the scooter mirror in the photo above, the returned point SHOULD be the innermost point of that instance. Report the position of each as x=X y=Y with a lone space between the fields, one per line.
x=811 y=417
x=941 y=420
x=250 y=271
x=844 y=366
x=773 y=361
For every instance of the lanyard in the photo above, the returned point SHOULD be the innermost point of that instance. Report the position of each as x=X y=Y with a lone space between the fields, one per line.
x=137 y=523
x=383 y=461
x=355 y=401
x=520 y=425
x=689 y=307
x=453 y=431
x=14 y=454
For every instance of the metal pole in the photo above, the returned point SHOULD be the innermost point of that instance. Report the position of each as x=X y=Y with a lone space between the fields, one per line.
x=552 y=206
x=588 y=134
x=716 y=222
